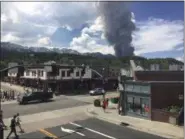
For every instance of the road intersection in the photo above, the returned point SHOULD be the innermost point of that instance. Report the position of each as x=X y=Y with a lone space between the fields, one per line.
x=65 y=117
x=89 y=128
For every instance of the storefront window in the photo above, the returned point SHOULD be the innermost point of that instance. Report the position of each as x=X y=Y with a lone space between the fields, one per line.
x=130 y=101
x=128 y=87
x=137 y=105
x=145 y=106
x=137 y=88
x=145 y=89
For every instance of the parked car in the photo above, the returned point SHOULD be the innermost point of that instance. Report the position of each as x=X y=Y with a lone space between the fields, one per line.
x=34 y=96
x=97 y=91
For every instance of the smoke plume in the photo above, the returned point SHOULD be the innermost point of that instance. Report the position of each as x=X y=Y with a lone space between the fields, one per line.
x=118 y=26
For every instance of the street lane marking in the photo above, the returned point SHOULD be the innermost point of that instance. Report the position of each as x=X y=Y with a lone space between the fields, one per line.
x=71 y=131
x=48 y=133
x=110 y=137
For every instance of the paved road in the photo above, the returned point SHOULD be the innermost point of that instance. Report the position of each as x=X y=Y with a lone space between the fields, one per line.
x=89 y=128
x=58 y=103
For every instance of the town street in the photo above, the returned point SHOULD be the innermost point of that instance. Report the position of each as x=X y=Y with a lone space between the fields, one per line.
x=59 y=102
x=89 y=128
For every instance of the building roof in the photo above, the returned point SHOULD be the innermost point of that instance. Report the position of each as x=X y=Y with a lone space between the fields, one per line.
x=159 y=75
x=153 y=82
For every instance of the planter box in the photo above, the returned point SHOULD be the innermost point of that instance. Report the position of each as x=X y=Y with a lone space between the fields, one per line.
x=172 y=120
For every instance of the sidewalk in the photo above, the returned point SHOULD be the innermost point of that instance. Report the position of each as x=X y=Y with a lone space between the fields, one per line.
x=8 y=86
x=157 y=128
x=90 y=99
x=33 y=122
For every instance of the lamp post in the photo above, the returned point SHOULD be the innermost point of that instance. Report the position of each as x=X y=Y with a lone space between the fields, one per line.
x=103 y=80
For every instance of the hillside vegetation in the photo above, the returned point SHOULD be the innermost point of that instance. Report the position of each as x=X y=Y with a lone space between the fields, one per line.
x=40 y=57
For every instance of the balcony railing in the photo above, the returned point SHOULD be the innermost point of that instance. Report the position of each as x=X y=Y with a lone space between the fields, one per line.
x=52 y=77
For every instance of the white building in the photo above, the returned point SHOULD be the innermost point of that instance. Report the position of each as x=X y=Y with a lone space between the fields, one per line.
x=154 y=67
x=175 y=67
x=64 y=73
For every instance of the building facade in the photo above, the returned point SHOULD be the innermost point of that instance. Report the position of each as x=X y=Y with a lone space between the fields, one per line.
x=63 y=80
x=143 y=98
x=150 y=92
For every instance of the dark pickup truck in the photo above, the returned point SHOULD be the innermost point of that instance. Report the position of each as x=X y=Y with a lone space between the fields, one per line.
x=33 y=96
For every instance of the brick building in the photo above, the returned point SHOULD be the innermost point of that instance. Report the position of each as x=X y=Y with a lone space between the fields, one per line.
x=150 y=92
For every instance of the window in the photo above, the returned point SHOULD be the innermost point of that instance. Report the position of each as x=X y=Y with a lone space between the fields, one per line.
x=137 y=105
x=130 y=101
x=145 y=89
x=63 y=73
x=40 y=73
x=145 y=106
x=68 y=73
x=77 y=74
x=33 y=73
x=137 y=88
x=128 y=87
x=27 y=73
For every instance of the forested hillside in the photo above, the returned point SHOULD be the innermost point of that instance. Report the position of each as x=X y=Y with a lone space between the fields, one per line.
x=40 y=57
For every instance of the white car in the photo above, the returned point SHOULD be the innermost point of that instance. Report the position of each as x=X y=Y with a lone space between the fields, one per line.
x=97 y=91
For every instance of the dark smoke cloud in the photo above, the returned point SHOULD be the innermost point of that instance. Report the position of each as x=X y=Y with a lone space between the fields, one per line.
x=118 y=26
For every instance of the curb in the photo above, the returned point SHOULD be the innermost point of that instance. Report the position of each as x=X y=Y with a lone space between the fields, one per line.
x=89 y=113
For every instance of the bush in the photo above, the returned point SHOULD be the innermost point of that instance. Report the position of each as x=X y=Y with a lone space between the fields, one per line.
x=115 y=100
x=173 y=109
x=97 y=103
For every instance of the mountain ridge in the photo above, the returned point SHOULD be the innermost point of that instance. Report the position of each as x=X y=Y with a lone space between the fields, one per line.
x=16 y=47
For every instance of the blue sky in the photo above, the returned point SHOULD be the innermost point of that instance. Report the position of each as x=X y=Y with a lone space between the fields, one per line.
x=78 y=26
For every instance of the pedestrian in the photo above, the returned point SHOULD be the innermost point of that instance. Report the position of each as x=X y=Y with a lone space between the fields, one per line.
x=13 y=127
x=8 y=92
x=2 y=125
x=104 y=105
x=18 y=123
x=5 y=95
x=13 y=95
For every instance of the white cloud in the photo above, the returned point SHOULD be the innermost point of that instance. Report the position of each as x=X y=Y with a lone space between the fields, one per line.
x=180 y=58
x=29 y=20
x=10 y=38
x=87 y=42
x=158 y=35
x=153 y=35
x=180 y=49
x=95 y=27
x=3 y=18
x=44 y=41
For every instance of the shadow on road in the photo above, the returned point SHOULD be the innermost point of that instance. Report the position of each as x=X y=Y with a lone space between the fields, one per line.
x=75 y=94
x=39 y=101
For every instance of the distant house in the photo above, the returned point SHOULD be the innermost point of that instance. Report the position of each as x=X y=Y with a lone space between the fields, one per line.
x=176 y=67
